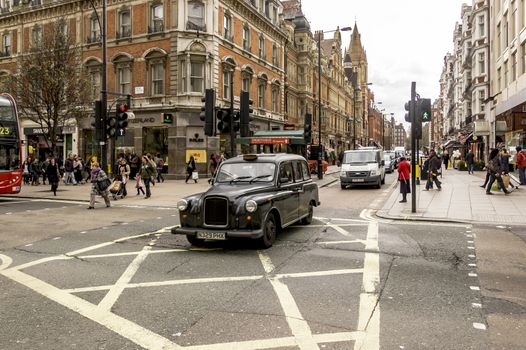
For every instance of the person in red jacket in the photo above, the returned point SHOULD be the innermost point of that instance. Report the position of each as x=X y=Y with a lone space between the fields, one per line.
x=521 y=164
x=404 y=178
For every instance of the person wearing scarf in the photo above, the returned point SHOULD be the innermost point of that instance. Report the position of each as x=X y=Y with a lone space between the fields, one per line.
x=97 y=175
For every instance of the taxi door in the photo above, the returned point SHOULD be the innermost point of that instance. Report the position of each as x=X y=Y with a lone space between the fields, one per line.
x=288 y=199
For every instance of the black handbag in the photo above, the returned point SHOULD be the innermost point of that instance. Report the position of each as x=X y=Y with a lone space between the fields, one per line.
x=103 y=185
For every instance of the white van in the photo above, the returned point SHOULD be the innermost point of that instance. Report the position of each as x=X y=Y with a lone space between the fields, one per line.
x=364 y=166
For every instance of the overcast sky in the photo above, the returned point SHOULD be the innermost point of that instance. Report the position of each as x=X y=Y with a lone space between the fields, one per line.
x=405 y=41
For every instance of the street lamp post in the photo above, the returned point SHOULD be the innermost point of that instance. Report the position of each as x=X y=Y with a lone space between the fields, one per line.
x=320 y=33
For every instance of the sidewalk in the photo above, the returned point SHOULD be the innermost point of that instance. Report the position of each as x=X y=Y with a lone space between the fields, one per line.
x=461 y=200
x=165 y=194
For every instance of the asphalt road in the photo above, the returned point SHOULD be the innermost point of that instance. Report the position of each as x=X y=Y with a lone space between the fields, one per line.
x=117 y=279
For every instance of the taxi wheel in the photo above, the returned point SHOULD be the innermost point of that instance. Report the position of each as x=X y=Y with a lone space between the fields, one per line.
x=269 y=232
x=193 y=240
x=308 y=219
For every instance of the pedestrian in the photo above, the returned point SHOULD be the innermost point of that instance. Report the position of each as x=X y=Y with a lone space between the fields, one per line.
x=212 y=166
x=35 y=170
x=434 y=166
x=134 y=164
x=445 y=158
x=25 y=171
x=505 y=166
x=53 y=175
x=153 y=166
x=68 y=171
x=520 y=161
x=124 y=172
x=99 y=180
x=147 y=172
x=190 y=168
x=403 y=177
x=43 y=166
x=159 y=163
x=470 y=158
x=77 y=169
x=495 y=171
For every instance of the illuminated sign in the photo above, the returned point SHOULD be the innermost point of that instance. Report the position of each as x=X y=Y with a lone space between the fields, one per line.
x=270 y=141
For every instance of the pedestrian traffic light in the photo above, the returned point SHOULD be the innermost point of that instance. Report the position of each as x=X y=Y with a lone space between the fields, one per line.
x=246 y=114
x=417 y=120
x=424 y=109
x=122 y=115
x=236 y=120
x=207 y=111
x=307 y=128
x=408 y=116
x=223 y=117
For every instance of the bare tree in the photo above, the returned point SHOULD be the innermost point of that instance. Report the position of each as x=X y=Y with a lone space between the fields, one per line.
x=51 y=86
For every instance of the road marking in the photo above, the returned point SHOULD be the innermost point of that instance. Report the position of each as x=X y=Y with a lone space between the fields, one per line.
x=474 y=287
x=319 y=273
x=480 y=326
x=56 y=238
x=476 y=305
x=472 y=265
x=83 y=231
x=471 y=242
x=470 y=247
x=471 y=256
x=8 y=213
x=6 y=261
x=471 y=274
x=114 y=293
x=343 y=242
x=131 y=253
x=28 y=245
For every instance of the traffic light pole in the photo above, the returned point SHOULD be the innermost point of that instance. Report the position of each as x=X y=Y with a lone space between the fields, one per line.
x=413 y=146
x=231 y=117
x=104 y=92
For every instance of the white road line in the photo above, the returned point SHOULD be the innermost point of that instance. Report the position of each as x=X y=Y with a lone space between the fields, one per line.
x=474 y=287
x=125 y=328
x=339 y=219
x=319 y=273
x=110 y=255
x=480 y=326
x=28 y=245
x=6 y=261
x=299 y=327
x=168 y=283
x=324 y=225
x=339 y=229
x=472 y=256
x=114 y=293
x=369 y=309
x=472 y=265
x=343 y=242
x=471 y=274
x=476 y=305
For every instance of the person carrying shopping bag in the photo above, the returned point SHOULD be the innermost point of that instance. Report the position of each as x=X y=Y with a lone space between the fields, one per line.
x=99 y=185
x=190 y=169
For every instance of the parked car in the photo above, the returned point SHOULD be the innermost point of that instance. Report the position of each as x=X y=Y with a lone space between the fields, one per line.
x=252 y=196
x=363 y=166
x=389 y=163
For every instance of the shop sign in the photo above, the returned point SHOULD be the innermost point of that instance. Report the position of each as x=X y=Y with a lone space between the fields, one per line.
x=147 y=120
x=196 y=138
x=269 y=141
x=40 y=131
x=199 y=155
x=167 y=118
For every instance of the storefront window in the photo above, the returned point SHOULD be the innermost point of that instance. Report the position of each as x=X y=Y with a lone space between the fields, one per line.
x=155 y=140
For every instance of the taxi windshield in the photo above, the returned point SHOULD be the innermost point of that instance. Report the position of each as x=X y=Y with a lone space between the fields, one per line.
x=246 y=172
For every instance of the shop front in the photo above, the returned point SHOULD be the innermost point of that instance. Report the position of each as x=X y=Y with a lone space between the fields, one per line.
x=36 y=146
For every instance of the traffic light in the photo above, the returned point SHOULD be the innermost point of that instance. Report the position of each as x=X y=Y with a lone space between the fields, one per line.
x=307 y=128
x=418 y=120
x=424 y=109
x=98 y=123
x=121 y=116
x=235 y=120
x=207 y=111
x=246 y=114
x=111 y=126
x=223 y=117
x=408 y=115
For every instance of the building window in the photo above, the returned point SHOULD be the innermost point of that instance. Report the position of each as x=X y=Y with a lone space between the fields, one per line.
x=506 y=68
x=262 y=90
x=124 y=24
x=36 y=36
x=246 y=79
x=94 y=30
x=482 y=63
x=6 y=45
x=196 y=15
x=124 y=79
x=513 y=67
x=261 y=51
x=157 y=78
x=523 y=58
x=274 y=55
x=275 y=98
x=197 y=76
x=482 y=32
x=195 y=69
x=499 y=79
x=156 y=18
x=227 y=27
x=246 y=38
x=482 y=97
x=227 y=79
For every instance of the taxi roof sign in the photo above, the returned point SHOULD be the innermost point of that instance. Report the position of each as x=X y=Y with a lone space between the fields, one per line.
x=250 y=157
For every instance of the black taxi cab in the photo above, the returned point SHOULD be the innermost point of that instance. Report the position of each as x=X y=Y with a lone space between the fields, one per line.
x=252 y=196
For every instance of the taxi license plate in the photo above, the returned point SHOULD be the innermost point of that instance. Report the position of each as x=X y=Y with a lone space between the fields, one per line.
x=211 y=235
x=357 y=180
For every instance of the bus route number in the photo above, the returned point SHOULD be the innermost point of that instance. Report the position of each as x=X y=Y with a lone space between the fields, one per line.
x=4 y=131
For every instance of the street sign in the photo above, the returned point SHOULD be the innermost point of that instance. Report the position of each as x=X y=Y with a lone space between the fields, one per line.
x=131 y=115
x=167 y=118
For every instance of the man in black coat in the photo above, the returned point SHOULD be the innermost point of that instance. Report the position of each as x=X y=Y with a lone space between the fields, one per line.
x=434 y=166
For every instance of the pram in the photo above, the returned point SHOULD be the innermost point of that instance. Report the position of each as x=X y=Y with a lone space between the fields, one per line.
x=117 y=189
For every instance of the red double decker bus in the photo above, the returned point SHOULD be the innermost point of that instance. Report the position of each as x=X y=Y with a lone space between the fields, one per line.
x=10 y=147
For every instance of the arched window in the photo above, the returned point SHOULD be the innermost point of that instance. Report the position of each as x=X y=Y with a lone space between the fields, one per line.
x=262 y=90
x=246 y=78
x=195 y=67
x=276 y=88
x=228 y=67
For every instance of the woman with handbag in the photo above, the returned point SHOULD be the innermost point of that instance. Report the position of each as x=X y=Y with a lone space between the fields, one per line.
x=147 y=173
x=190 y=168
x=99 y=185
x=403 y=177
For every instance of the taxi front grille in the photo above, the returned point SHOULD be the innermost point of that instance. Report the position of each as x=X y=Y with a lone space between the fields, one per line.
x=216 y=211
x=357 y=173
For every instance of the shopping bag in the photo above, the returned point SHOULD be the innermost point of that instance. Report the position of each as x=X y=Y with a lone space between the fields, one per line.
x=195 y=175
x=103 y=184
x=506 y=179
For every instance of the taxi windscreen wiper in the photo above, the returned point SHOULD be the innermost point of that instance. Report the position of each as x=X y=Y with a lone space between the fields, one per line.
x=237 y=179
x=260 y=177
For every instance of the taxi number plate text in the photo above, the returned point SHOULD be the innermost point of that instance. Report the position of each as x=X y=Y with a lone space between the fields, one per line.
x=211 y=235
x=357 y=180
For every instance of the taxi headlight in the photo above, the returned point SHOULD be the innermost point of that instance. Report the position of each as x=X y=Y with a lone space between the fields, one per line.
x=182 y=204
x=251 y=206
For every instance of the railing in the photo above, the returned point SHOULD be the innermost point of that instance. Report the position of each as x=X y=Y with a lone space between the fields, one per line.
x=124 y=33
x=156 y=28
